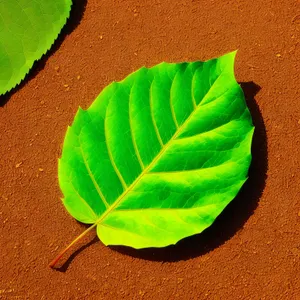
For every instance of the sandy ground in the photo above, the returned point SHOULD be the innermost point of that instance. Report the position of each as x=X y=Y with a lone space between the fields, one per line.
x=251 y=252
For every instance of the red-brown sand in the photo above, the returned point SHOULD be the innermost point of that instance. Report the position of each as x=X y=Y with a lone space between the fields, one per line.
x=253 y=249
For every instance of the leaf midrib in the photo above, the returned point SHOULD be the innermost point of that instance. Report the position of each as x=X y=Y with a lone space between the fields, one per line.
x=158 y=156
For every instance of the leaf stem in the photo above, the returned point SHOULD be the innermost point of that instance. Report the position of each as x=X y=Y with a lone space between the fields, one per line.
x=58 y=257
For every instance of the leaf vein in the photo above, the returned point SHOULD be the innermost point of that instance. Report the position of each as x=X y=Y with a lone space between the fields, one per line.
x=161 y=209
x=93 y=179
x=171 y=104
x=83 y=200
x=227 y=162
x=192 y=89
x=112 y=159
x=152 y=115
x=136 y=150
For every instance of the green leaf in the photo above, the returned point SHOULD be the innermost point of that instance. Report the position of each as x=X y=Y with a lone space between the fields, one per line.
x=28 y=28
x=159 y=155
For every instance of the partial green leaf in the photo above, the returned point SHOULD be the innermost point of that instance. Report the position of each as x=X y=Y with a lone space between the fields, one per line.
x=159 y=155
x=28 y=28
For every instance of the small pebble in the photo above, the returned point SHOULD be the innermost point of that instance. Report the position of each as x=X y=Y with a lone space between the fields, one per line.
x=19 y=164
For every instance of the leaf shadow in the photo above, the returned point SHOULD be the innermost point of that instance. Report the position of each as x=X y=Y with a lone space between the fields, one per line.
x=235 y=214
x=89 y=240
x=76 y=14
x=64 y=267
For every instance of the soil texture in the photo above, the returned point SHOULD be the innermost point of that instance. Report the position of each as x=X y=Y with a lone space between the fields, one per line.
x=252 y=251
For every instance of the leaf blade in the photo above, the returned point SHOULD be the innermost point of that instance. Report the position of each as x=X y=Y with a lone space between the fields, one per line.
x=194 y=173
x=27 y=31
